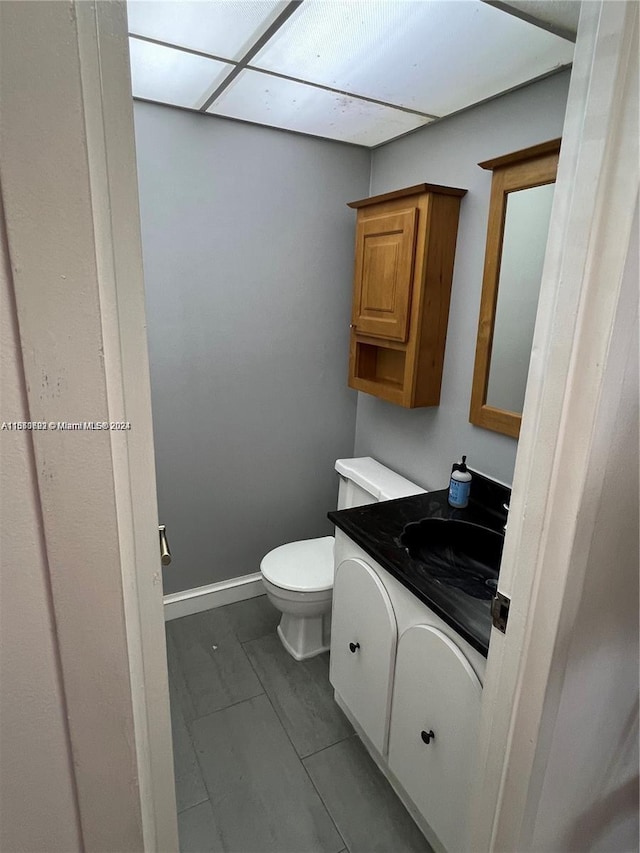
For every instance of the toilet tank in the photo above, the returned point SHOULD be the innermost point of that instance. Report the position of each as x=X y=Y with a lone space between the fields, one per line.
x=364 y=481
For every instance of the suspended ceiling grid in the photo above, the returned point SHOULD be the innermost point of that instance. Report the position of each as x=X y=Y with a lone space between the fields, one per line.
x=360 y=71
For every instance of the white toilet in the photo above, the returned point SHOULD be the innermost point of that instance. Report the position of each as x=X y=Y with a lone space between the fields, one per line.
x=298 y=577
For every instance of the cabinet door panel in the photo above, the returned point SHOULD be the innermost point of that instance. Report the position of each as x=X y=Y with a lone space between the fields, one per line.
x=385 y=247
x=435 y=690
x=363 y=620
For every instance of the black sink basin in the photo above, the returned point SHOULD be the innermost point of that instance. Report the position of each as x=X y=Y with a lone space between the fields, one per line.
x=456 y=553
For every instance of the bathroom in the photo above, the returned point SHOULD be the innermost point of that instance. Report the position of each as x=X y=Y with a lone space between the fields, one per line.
x=248 y=248
x=336 y=751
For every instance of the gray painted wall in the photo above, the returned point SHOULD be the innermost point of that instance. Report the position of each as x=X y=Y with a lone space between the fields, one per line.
x=248 y=252
x=422 y=443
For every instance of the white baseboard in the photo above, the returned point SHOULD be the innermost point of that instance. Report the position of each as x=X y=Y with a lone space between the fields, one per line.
x=178 y=604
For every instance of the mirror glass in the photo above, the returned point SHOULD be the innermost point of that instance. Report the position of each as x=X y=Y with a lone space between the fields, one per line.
x=523 y=247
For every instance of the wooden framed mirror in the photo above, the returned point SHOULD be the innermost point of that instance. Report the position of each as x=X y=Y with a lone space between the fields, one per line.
x=519 y=213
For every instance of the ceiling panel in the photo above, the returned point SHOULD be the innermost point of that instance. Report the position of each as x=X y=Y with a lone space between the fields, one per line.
x=437 y=56
x=225 y=28
x=173 y=76
x=289 y=105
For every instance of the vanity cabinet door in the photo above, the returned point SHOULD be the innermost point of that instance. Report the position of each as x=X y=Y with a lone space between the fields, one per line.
x=363 y=647
x=434 y=726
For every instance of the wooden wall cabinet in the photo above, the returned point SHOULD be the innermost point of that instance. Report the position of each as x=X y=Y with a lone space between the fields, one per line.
x=405 y=247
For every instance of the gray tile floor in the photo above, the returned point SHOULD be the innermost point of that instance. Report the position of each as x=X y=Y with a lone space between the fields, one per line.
x=265 y=761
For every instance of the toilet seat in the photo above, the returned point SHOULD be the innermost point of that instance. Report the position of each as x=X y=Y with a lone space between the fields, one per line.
x=305 y=566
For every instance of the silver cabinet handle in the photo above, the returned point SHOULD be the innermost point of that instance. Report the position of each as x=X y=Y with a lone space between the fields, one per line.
x=165 y=553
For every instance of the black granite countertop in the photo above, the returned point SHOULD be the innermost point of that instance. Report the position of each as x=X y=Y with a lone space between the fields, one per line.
x=377 y=528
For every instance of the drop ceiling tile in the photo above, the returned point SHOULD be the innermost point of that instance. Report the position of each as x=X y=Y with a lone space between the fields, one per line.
x=290 y=105
x=436 y=56
x=225 y=28
x=172 y=76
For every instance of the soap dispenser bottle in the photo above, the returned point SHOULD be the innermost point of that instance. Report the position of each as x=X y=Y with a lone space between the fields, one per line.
x=459 y=485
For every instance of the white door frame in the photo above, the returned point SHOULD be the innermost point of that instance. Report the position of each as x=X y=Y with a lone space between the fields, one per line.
x=556 y=485
x=69 y=192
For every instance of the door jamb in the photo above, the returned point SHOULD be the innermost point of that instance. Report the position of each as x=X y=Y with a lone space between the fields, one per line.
x=69 y=191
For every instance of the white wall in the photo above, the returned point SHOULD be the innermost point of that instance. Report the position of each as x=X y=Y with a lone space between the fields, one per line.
x=248 y=251
x=589 y=793
x=422 y=443
x=38 y=810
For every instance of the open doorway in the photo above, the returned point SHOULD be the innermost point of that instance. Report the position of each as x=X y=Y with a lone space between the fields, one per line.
x=103 y=596
x=248 y=154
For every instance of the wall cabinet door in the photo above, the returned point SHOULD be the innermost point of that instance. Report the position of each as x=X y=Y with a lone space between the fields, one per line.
x=363 y=647
x=434 y=724
x=385 y=248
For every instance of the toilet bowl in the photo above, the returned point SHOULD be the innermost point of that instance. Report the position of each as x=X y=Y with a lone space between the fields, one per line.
x=298 y=579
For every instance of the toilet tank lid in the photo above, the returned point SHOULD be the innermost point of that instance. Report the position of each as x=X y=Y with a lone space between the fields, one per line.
x=382 y=483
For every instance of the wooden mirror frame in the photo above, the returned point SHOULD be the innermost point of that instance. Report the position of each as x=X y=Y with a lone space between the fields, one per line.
x=529 y=167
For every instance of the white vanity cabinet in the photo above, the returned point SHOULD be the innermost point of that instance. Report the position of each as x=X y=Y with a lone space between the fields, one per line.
x=363 y=647
x=410 y=675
